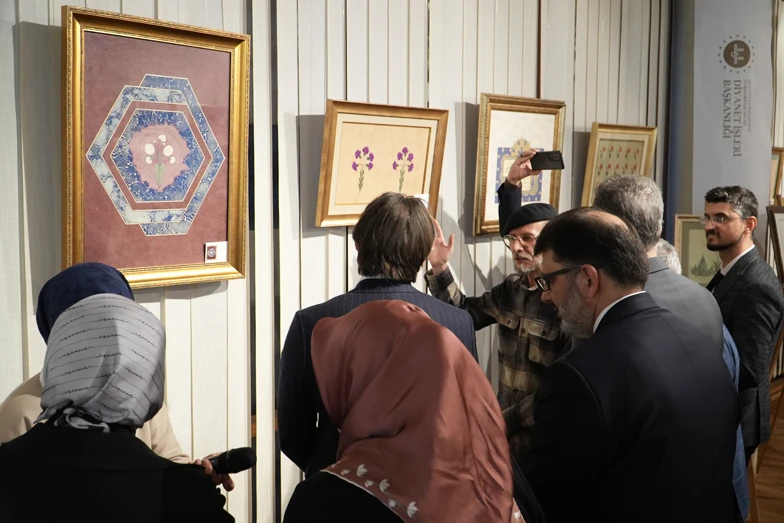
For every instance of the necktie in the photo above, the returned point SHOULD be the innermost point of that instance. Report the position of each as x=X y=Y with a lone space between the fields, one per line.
x=714 y=281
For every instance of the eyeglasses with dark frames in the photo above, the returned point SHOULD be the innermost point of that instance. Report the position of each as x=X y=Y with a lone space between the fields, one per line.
x=543 y=281
x=509 y=239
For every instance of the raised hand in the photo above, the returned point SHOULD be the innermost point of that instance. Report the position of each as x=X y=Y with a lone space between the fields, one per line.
x=441 y=250
x=521 y=168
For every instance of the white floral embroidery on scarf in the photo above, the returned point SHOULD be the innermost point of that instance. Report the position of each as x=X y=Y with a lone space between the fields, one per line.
x=411 y=510
x=384 y=485
x=361 y=471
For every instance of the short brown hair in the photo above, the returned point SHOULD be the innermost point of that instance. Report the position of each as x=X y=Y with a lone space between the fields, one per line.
x=394 y=235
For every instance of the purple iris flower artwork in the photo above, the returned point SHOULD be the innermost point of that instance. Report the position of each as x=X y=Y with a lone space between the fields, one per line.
x=404 y=164
x=363 y=162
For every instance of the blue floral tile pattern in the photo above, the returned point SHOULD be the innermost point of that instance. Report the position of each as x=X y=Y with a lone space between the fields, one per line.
x=164 y=221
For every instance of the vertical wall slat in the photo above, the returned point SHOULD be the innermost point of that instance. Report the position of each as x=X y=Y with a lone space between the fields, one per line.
x=446 y=52
x=312 y=33
x=105 y=5
x=398 y=52
x=531 y=58
x=238 y=392
x=336 y=90
x=378 y=51
x=11 y=276
x=139 y=8
x=653 y=66
x=357 y=90
x=466 y=141
x=288 y=194
x=176 y=320
x=168 y=10
x=614 y=53
x=644 y=61
x=663 y=90
x=603 y=56
x=263 y=260
x=592 y=64
x=484 y=252
x=517 y=27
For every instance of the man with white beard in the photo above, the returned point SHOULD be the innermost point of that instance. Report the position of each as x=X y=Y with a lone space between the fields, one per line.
x=529 y=331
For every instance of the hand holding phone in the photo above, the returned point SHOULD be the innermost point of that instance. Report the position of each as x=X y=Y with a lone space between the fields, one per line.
x=547 y=161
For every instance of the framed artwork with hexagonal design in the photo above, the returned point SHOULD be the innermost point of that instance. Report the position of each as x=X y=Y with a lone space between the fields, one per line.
x=155 y=152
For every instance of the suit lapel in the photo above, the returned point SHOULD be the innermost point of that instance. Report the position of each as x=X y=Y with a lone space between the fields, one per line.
x=735 y=275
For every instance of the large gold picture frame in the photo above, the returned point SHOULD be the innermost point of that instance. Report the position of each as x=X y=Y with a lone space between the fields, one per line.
x=370 y=149
x=509 y=125
x=698 y=262
x=617 y=150
x=155 y=130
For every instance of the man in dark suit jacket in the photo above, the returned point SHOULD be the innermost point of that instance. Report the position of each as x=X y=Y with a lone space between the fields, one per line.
x=751 y=302
x=638 y=201
x=393 y=238
x=637 y=423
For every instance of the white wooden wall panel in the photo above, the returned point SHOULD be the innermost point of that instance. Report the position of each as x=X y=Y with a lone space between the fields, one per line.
x=288 y=192
x=11 y=353
x=263 y=262
x=207 y=363
x=336 y=90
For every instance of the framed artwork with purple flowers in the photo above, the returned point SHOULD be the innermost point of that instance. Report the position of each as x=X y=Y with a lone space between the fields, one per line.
x=617 y=150
x=155 y=151
x=509 y=125
x=371 y=149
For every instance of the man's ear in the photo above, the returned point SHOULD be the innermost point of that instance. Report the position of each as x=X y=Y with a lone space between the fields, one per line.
x=751 y=223
x=590 y=278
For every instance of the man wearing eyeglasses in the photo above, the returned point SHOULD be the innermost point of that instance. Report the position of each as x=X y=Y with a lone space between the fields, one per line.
x=638 y=423
x=529 y=332
x=751 y=302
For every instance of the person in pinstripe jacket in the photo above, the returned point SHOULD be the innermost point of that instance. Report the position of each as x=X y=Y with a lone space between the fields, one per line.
x=393 y=238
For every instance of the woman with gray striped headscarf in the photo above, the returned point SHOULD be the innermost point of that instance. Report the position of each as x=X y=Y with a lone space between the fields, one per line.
x=103 y=378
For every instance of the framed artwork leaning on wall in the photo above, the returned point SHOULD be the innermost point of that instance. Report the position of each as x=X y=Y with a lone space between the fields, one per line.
x=699 y=263
x=155 y=148
x=617 y=150
x=370 y=149
x=776 y=169
x=776 y=234
x=509 y=125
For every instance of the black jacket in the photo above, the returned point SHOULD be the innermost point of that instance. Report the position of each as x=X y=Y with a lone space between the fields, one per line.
x=636 y=424
x=314 y=447
x=751 y=304
x=64 y=474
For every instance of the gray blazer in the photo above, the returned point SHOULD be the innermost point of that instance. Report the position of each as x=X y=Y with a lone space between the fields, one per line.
x=686 y=299
x=752 y=306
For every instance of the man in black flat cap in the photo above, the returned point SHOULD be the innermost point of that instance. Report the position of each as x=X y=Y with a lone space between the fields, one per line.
x=529 y=331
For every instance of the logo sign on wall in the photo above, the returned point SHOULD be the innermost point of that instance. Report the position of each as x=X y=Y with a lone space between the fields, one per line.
x=733 y=96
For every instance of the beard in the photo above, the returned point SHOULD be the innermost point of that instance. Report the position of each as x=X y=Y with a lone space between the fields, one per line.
x=721 y=246
x=576 y=317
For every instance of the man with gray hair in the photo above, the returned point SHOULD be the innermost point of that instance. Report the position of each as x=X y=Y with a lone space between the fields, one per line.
x=666 y=251
x=638 y=200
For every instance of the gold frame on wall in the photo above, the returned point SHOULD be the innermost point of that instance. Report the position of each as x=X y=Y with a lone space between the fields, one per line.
x=593 y=148
x=76 y=21
x=493 y=102
x=437 y=118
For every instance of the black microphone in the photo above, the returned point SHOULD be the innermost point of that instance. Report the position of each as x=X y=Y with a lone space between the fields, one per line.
x=234 y=460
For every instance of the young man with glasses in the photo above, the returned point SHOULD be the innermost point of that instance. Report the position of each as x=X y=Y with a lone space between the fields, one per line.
x=529 y=332
x=751 y=302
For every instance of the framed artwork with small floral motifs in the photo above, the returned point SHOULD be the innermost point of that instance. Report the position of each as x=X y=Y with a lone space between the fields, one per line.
x=155 y=148
x=371 y=149
x=617 y=150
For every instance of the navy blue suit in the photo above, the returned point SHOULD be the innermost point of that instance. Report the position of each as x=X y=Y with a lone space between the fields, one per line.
x=314 y=446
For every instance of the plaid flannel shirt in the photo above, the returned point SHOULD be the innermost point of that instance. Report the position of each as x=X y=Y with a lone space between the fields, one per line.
x=529 y=341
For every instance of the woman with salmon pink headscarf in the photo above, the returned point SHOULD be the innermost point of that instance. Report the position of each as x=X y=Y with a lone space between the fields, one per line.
x=422 y=436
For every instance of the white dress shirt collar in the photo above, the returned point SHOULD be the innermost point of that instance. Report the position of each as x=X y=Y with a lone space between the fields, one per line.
x=610 y=306
x=726 y=268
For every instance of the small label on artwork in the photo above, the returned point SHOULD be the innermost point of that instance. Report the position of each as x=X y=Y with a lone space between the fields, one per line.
x=215 y=252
